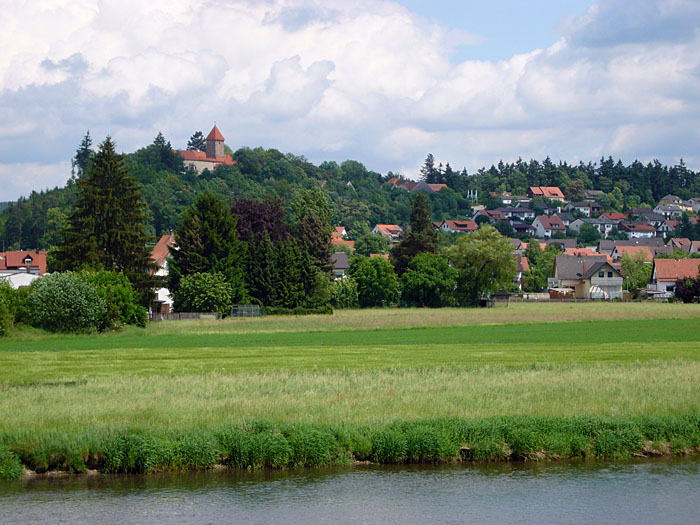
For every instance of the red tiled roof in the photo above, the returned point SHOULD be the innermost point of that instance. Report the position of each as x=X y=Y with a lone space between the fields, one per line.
x=385 y=255
x=389 y=229
x=338 y=242
x=462 y=225
x=160 y=251
x=672 y=269
x=410 y=185
x=547 y=191
x=615 y=216
x=639 y=227
x=15 y=260
x=579 y=251
x=551 y=223
x=524 y=265
x=215 y=134
x=437 y=187
x=202 y=157
x=632 y=250
x=392 y=181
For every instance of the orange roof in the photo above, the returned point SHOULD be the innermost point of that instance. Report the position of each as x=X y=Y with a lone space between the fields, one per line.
x=389 y=229
x=215 y=134
x=160 y=251
x=547 y=191
x=16 y=260
x=524 y=264
x=672 y=269
x=639 y=227
x=632 y=250
x=337 y=241
x=615 y=216
x=202 y=157
x=579 y=251
x=392 y=180
x=437 y=187
x=338 y=232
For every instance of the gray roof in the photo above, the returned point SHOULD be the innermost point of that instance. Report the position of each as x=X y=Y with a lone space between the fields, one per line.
x=571 y=267
x=564 y=216
x=607 y=245
x=566 y=243
x=340 y=261
x=596 y=267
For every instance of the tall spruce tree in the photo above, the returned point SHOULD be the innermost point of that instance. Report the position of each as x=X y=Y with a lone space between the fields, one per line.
x=197 y=142
x=79 y=163
x=421 y=238
x=206 y=241
x=107 y=224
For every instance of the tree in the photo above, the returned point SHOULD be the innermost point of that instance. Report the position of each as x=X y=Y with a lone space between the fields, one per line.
x=429 y=172
x=429 y=281
x=56 y=222
x=377 y=284
x=688 y=289
x=588 y=235
x=197 y=142
x=315 y=238
x=636 y=271
x=685 y=228
x=207 y=243
x=79 y=163
x=107 y=224
x=371 y=243
x=484 y=264
x=421 y=238
x=576 y=191
x=203 y=292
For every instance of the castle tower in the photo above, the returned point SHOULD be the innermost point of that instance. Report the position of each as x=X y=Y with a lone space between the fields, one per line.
x=215 y=144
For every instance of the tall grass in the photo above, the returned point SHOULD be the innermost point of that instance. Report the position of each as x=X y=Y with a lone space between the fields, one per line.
x=264 y=444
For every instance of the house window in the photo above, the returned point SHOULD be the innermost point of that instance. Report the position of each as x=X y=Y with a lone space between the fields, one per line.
x=601 y=274
x=609 y=275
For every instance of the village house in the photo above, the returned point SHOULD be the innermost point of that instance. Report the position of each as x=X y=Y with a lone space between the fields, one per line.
x=211 y=158
x=566 y=218
x=583 y=208
x=521 y=227
x=604 y=225
x=523 y=266
x=666 y=272
x=607 y=246
x=638 y=231
x=590 y=277
x=547 y=192
x=392 y=232
x=649 y=251
x=669 y=211
x=545 y=226
x=492 y=215
x=458 y=226
x=20 y=268
x=340 y=236
x=517 y=212
x=340 y=264
x=592 y=195
x=160 y=255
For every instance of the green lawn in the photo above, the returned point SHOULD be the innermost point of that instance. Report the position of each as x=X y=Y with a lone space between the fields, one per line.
x=359 y=367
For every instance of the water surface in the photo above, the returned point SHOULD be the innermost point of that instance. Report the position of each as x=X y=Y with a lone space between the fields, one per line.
x=649 y=491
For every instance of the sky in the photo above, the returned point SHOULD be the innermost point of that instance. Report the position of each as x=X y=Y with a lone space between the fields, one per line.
x=381 y=82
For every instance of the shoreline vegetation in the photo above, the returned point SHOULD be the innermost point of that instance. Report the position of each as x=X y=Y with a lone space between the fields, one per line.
x=519 y=383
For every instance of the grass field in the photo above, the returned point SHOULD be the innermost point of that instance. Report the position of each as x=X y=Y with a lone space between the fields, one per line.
x=373 y=367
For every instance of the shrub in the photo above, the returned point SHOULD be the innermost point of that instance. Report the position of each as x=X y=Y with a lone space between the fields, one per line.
x=377 y=284
x=65 y=302
x=344 y=294
x=429 y=281
x=389 y=446
x=120 y=297
x=8 y=307
x=10 y=465
x=204 y=292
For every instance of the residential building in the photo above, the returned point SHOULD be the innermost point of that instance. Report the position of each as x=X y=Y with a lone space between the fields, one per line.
x=340 y=264
x=340 y=236
x=581 y=207
x=615 y=216
x=591 y=277
x=680 y=243
x=545 y=226
x=517 y=212
x=23 y=261
x=638 y=231
x=666 y=272
x=566 y=218
x=458 y=226
x=669 y=211
x=493 y=215
x=562 y=244
x=211 y=158
x=592 y=195
x=548 y=192
x=604 y=225
x=523 y=266
x=161 y=253
x=606 y=246
x=392 y=232
x=428 y=188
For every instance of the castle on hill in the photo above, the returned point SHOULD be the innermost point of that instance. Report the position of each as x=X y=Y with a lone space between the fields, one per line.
x=211 y=158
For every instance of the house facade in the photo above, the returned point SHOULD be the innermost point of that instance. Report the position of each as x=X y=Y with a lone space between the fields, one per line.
x=211 y=158
x=392 y=232
x=666 y=272
x=546 y=226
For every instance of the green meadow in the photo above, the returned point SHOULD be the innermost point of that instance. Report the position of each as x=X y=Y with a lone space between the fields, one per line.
x=370 y=379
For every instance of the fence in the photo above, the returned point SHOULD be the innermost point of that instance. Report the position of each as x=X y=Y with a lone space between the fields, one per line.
x=245 y=310
x=180 y=316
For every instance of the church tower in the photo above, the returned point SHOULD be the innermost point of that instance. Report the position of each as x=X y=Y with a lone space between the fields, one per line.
x=215 y=144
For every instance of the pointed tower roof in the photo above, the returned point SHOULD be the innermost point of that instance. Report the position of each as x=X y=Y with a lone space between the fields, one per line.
x=215 y=134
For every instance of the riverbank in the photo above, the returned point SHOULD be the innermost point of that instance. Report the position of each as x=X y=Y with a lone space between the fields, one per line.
x=349 y=387
x=267 y=445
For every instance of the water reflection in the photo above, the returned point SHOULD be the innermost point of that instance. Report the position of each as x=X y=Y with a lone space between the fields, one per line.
x=584 y=492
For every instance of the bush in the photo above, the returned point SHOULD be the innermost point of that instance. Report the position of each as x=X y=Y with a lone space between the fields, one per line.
x=344 y=294
x=120 y=297
x=10 y=465
x=377 y=284
x=8 y=307
x=300 y=310
x=65 y=302
x=204 y=292
x=429 y=281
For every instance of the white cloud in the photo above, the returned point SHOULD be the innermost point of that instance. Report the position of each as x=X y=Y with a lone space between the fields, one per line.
x=24 y=177
x=367 y=80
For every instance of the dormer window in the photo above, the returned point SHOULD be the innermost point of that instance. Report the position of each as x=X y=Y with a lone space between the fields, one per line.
x=27 y=260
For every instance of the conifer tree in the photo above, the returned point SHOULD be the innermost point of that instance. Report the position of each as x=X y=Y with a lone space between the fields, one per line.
x=421 y=238
x=314 y=237
x=197 y=142
x=262 y=271
x=79 y=163
x=207 y=242
x=106 y=224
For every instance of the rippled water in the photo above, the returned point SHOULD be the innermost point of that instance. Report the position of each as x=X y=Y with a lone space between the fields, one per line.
x=659 y=491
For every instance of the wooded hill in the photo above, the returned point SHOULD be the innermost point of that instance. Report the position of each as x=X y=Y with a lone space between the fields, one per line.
x=358 y=196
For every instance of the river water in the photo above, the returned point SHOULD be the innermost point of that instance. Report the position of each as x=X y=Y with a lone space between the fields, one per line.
x=649 y=491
